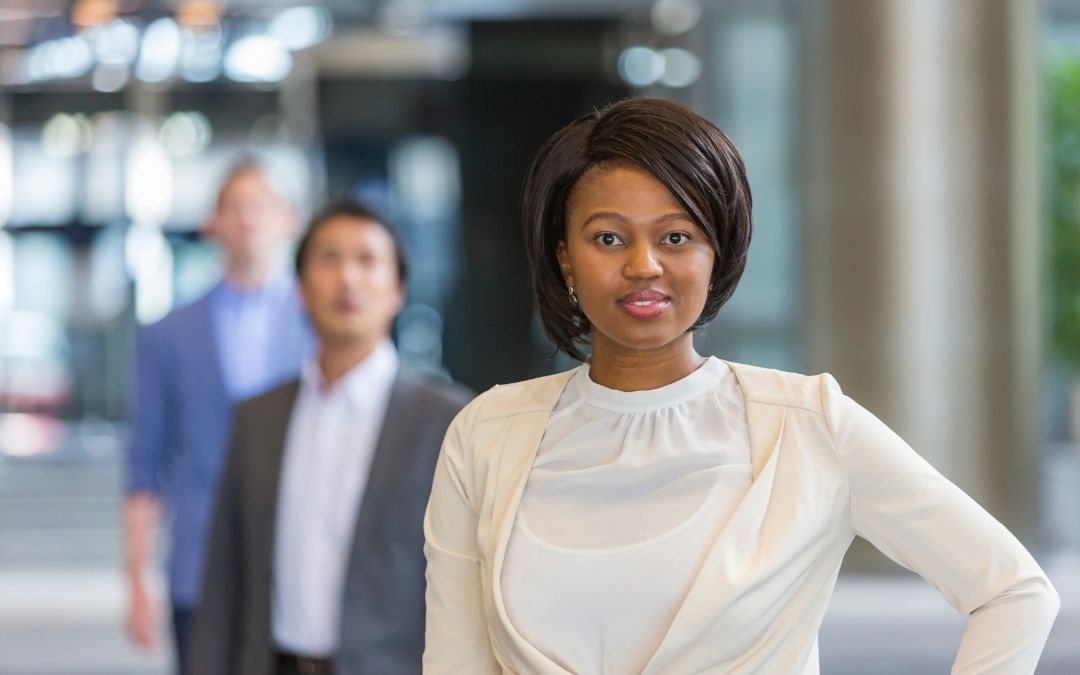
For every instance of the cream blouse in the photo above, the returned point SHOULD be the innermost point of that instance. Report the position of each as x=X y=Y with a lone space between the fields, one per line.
x=822 y=470
x=626 y=486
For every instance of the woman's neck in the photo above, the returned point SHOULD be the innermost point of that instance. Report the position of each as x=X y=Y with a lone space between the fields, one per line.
x=617 y=367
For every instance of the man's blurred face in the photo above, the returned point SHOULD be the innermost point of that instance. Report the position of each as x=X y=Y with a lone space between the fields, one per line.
x=349 y=281
x=251 y=221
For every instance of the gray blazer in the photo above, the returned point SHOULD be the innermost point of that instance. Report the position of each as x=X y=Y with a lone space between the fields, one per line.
x=382 y=620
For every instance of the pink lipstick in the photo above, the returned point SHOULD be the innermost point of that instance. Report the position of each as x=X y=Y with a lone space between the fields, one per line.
x=645 y=305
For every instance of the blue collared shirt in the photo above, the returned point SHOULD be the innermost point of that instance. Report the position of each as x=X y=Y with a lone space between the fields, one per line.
x=245 y=321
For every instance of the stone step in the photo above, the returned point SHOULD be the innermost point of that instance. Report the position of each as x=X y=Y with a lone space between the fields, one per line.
x=58 y=512
x=84 y=545
x=39 y=479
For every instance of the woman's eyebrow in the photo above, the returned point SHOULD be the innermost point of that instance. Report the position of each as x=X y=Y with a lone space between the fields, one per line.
x=613 y=215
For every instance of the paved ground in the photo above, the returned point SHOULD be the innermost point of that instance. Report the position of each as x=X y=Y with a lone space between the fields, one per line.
x=68 y=622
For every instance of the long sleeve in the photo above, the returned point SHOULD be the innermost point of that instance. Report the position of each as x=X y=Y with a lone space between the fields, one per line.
x=910 y=512
x=214 y=639
x=456 y=639
x=148 y=414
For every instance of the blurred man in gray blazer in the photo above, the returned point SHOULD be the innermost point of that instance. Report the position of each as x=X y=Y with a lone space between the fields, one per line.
x=315 y=562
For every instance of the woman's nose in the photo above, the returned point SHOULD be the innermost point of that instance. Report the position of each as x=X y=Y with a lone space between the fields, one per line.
x=642 y=262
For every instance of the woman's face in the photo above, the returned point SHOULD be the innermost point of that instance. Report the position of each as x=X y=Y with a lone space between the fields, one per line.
x=638 y=263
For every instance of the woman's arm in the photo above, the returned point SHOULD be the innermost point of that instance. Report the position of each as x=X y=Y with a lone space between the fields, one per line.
x=456 y=639
x=910 y=512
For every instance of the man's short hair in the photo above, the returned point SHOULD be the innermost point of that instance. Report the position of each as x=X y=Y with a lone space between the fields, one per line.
x=244 y=165
x=355 y=210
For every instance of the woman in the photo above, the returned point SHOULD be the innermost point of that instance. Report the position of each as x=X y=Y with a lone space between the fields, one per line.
x=657 y=511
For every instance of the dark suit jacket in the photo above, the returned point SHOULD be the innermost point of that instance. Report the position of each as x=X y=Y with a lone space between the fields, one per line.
x=382 y=620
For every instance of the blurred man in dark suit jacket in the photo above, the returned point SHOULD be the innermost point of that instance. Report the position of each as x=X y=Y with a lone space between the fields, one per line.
x=315 y=562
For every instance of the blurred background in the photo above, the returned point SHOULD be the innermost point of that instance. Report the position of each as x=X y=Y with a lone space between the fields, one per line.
x=916 y=175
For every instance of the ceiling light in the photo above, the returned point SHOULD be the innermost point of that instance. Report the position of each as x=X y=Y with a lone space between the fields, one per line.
x=301 y=27
x=257 y=58
x=640 y=66
x=681 y=68
x=160 y=51
x=675 y=17
x=198 y=13
x=86 y=13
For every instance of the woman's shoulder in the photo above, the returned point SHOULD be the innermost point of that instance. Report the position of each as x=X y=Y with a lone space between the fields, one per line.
x=536 y=395
x=781 y=387
x=757 y=383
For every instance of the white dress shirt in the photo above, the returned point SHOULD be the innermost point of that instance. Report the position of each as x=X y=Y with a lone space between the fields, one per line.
x=626 y=486
x=331 y=441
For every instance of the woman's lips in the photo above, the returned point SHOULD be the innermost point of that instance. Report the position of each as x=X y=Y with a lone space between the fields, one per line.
x=644 y=305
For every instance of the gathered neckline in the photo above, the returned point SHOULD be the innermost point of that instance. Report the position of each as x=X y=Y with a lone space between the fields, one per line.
x=696 y=383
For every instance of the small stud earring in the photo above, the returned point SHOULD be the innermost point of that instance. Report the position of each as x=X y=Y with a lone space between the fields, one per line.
x=573 y=298
x=710 y=287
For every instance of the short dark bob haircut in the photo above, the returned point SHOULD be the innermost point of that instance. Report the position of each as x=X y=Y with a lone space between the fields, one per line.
x=354 y=210
x=684 y=151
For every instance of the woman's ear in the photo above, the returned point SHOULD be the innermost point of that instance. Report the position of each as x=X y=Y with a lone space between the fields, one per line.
x=564 y=264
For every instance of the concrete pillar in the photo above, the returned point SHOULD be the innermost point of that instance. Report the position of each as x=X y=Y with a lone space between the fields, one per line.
x=922 y=229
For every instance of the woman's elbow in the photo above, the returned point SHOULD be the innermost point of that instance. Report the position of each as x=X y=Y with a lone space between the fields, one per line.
x=1049 y=599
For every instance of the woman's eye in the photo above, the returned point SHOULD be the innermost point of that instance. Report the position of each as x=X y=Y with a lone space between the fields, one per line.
x=677 y=238
x=607 y=239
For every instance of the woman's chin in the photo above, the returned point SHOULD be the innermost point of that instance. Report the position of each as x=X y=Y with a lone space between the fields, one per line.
x=640 y=340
